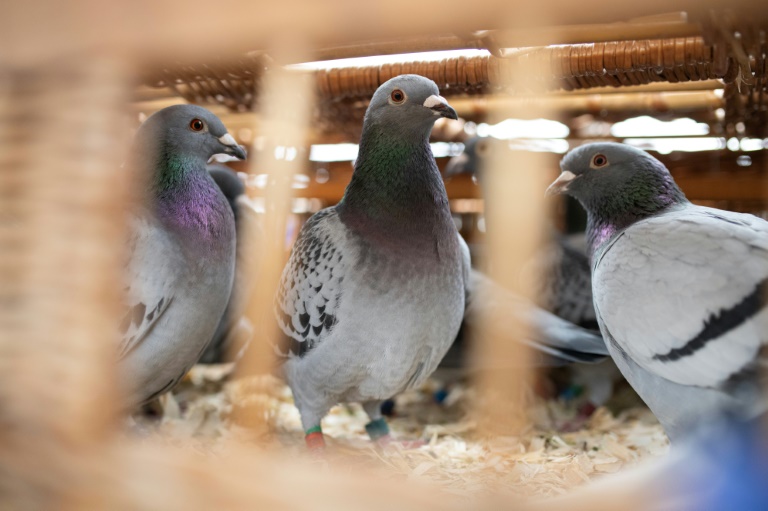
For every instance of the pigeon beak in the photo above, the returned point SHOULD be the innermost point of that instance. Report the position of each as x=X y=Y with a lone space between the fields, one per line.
x=560 y=185
x=440 y=107
x=457 y=165
x=232 y=148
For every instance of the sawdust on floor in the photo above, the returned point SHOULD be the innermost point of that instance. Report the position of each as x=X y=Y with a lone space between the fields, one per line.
x=542 y=462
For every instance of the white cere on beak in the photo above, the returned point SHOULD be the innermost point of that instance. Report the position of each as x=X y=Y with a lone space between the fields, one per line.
x=561 y=183
x=227 y=139
x=222 y=158
x=434 y=100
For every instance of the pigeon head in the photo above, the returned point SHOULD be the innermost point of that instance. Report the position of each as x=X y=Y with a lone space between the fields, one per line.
x=396 y=194
x=185 y=132
x=408 y=103
x=616 y=179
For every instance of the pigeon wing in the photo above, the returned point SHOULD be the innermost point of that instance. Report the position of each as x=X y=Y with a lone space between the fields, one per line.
x=150 y=276
x=682 y=294
x=310 y=289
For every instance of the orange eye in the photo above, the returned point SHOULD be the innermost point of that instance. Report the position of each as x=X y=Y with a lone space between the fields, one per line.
x=196 y=125
x=599 y=160
x=397 y=96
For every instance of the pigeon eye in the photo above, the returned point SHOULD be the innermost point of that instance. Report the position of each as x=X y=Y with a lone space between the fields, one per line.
x=397 y=96
x=196 y=125
x=599 y=160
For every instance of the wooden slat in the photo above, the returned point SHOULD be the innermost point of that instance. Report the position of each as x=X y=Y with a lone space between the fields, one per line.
x=629 y=103
x=571 y=34
x=285 y=113
x=152 y=98
x=728 y=187
x=194 y=29
x=593 y=33
x=729 y=182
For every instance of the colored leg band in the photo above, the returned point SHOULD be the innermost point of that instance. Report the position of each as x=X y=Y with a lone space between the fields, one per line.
x=377 y=429
x=315 y=440
x=315 y=429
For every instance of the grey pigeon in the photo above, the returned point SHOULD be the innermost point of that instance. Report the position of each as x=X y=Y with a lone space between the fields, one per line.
x=554 y=341
x=678 y=288
x=181 y=252
x=234 y=330
x=374 y=291
x=565 y=286
x=564 y=291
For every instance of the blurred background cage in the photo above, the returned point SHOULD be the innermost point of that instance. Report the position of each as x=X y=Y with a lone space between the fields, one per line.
x=77 y=78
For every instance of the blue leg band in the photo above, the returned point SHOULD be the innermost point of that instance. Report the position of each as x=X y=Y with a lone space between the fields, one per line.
x=377 y=429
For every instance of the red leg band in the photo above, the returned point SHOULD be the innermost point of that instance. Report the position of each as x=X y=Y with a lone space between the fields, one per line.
x=315 y=440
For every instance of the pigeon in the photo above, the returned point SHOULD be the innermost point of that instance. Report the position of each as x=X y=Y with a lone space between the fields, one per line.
x=565 y=286
x=374 y=290
x=554 y=341
x=181 y=251
x=564 y=291
x=678 y=288
x=234 y=328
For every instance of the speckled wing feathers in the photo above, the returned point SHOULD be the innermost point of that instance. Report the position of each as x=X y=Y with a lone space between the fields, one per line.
x=311 y=286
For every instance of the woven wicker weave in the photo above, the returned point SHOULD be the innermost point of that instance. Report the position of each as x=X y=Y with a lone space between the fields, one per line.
x=60 y=232
x=570 y=67
x=231 y=82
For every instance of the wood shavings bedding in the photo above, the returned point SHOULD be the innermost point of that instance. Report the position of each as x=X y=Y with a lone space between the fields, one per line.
x=542 y=462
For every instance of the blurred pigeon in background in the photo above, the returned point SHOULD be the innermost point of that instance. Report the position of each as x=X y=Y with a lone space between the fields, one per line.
x=679 y=289
x=564 y=289
x=554 y=341
x=565 y=286
x=181 y=250
x=235 y=330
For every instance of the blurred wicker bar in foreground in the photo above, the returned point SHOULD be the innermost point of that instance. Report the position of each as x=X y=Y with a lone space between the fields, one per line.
x=62 y=197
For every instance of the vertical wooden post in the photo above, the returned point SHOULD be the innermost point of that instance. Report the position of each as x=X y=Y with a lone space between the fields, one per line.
x=285 y=105
x=514 y=190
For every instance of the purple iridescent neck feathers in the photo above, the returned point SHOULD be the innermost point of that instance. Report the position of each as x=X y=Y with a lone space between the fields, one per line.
x=188 y=202
x=647 y=197
x=618 y=185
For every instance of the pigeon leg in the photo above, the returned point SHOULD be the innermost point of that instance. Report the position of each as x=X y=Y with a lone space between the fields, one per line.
x=311 y=416
x=378 y=427
x=378 y=430
x=388 y=407
x=314 y=438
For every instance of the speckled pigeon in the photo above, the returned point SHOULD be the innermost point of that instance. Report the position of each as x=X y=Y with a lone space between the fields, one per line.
x=678 y=288
x=565 y=287
x=374 y=291
x=234 y=330
x=181 y=250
